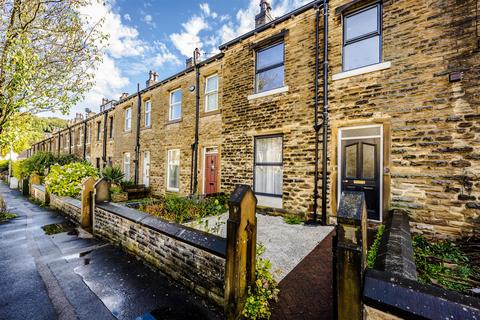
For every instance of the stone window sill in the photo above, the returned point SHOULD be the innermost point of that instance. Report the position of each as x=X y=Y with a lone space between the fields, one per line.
x=364 y=70
x=173 y=121
x=268 y=93
x=210 y=113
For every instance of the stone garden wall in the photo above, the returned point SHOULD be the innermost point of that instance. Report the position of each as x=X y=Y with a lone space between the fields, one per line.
x=38 y=192
x=194 y=258
x=71 y=207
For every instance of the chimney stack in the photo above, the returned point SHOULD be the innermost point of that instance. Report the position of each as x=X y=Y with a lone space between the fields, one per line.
x=152 y=78
x=78 y=117
x=189 y=63
x=265 y=15
x=124 y=96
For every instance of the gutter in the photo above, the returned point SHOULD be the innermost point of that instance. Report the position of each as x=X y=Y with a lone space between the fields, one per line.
x=316 y=125
x=69 y=140
x=84 y=141
x=196 y=54
x=105 y=133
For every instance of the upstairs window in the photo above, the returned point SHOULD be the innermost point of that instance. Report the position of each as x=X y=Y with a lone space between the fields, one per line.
x=148 y=114
x=128 y=119
x=99 y=130
x=270 y=68
x=111 y=128
x=211 y=93
x=362 y=36
x=175 y=111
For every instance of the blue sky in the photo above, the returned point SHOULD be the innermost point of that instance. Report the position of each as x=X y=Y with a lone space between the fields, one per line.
x=160 y=34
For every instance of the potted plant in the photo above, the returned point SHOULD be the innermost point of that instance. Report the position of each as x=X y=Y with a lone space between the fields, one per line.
x=114 y=176
x=117 y=194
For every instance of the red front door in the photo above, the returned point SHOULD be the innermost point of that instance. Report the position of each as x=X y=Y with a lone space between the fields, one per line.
x=211 y=173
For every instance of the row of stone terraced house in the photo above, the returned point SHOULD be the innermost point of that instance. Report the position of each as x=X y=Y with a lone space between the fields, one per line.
x=402 y=103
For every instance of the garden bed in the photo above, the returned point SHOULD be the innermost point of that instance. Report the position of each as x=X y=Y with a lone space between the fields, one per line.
x=182 y=209
x=450 y=265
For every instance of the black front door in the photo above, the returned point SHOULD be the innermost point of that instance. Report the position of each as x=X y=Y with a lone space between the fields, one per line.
x=361 y=171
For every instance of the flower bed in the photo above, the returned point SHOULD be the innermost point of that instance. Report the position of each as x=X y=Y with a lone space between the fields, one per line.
x=453 y=266
x=179 y=209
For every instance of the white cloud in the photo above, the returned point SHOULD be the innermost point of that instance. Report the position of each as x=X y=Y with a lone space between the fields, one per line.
x=148 y=19
x=189 y=39
x=205 y=7
x=164 y=56
x=127 y=17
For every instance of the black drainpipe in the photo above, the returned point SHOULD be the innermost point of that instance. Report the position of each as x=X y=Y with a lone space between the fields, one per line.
x=69 y=140
x=59 y=142
x=196 y=55
x=105 y=133
x=85 y=141
x=316 y=126
x=325 y=112
x=137 y=145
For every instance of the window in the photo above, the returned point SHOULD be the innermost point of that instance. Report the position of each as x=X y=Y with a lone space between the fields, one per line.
x=270 y=69
x=268 y=166
x=88 y=134
x=128 y=119
x=99 y=130
x=362 y=36
x=126 y=166
x=211 y=93
x=111 y=128
x=173 y=170
x=148 y=113
x=175 y=111
x=73 y=137
x=80 y=134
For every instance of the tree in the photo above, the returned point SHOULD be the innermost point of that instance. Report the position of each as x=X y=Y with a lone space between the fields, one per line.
x=48 y=56
x=19 y=133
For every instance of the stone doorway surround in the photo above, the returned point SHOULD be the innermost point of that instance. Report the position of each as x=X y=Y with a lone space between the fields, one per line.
x=336 y=126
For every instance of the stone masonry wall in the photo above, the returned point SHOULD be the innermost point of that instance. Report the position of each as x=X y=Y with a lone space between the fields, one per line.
x=38 y=193
x=199 y=270
x=69 y=206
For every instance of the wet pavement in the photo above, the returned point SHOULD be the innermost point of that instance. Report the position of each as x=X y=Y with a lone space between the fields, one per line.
x=67 y=274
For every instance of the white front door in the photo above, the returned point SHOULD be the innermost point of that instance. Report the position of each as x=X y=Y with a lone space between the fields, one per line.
x=146 y=168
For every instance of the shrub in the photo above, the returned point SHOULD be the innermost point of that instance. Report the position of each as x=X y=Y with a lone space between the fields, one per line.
x=4 y=165
x=67 y=180
x=292 y=219
x=264 y=290
x=127 y=184
x=41 y=162
x=373 y=251
x=17 y=169
x=115 y=189
x=113 y=174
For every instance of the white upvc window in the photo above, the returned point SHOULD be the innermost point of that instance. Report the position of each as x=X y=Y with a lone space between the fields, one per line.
x=211 y=93
x=126 y=166
x=148 y=113
x=268 y=175
x=175 y=110
x=173 y=170
x=128 y=119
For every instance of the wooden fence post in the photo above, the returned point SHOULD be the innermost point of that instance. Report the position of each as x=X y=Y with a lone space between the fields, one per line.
x=351 y=254
x=86 y=218
x=241 y=249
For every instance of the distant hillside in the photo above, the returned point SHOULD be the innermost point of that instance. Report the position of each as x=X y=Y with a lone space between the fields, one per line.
x=48 y=125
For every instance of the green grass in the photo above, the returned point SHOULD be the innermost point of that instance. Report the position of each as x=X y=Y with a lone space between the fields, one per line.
x=5 y=216
x=293 y=219
x=373 y=251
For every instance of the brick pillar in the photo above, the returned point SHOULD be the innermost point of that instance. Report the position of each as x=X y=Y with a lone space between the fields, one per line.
x=241 y=249
x=351 y=255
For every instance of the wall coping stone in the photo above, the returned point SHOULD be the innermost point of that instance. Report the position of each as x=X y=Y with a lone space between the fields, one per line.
x=71 y=201
x=395 y=253
x=208 y=242
x=39 y=187
x=410 y=299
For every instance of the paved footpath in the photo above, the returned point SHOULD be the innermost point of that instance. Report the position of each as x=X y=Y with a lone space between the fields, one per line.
x=70 y=275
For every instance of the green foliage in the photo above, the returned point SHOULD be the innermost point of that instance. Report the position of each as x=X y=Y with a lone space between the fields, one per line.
x=41 y=162
x=373 y=251
x=4 y=165
x=115 y=189
x=293 y=219
x=257 y=304
x=113 y=174
x=443 y=263
x=17 y=169
x=179 y=209
x=127 y=184
x=5 y=216
x=67 y=180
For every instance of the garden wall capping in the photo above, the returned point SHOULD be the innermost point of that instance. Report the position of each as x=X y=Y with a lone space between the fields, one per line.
x=202 y=240
x=409 y=299
x=39 y=187
x=395 y=253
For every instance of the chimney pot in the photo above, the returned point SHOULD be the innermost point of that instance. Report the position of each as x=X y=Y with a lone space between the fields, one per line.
x=152 y=78
x=189 y=63
x=124 y=96
x=265 y=15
